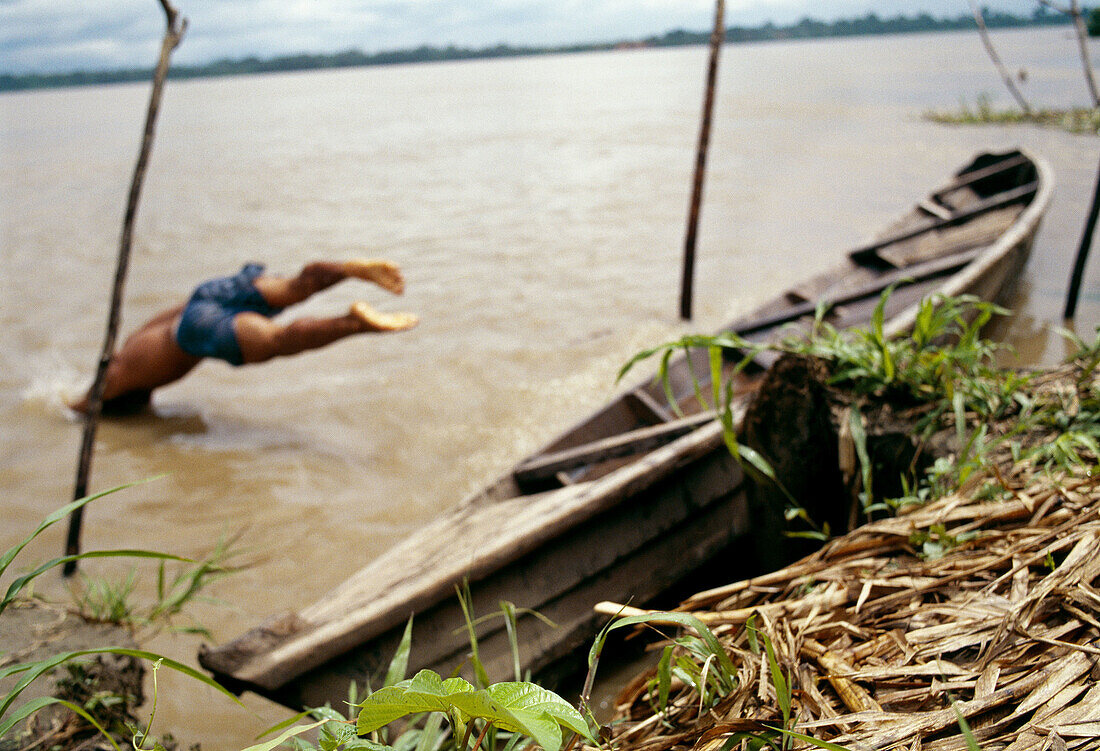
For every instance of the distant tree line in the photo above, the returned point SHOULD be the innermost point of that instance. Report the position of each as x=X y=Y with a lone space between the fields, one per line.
x=807 y=28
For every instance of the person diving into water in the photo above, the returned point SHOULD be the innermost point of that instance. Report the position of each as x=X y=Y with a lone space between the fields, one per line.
x=230 y=318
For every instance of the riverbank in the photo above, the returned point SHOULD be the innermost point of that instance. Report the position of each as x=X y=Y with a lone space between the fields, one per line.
x=972 y=618
x=109 y=687
x=876 y=641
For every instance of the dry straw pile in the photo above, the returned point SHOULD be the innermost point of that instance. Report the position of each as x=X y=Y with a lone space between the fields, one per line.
x=886 y=637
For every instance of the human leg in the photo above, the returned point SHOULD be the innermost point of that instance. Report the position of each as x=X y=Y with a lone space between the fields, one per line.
x=261 y=339
x=282 y=292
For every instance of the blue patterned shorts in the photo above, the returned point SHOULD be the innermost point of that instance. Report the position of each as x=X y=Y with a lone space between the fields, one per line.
x=206 y=326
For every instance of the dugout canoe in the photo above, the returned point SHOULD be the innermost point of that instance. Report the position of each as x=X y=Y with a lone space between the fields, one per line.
x=632 y=499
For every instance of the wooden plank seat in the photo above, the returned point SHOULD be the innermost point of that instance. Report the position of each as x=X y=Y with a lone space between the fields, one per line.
x=546 y=466
x=869 y=254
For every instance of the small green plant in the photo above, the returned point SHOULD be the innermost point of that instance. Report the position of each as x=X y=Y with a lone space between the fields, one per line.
x=712 y=673
x=514 y=706
x=440 y=710
x=107 y=600
x=942 y=367
x=781 y=681
x=28 y=672
x=942 y=363
x=934 y=542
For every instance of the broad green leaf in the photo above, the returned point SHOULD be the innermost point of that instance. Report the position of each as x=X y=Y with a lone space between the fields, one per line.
x=519 y=707
x=528 y=697
x=482 y=705
x=424 y=692
x=365 y=744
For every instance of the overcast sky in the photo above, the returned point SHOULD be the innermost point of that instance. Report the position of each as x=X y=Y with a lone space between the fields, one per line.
x=63 y=35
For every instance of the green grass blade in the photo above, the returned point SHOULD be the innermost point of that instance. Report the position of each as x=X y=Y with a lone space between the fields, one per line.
x=430 y=733
x=715 y=356
x=91 y=720
x=399 y=665
x=287 y=735
x=22 y=581
x=56 y=516
x=509 y=611
x=35 y=670
x=680 y=619
x=859 y=438
x=664 y=678
x=971 y=741
x=780 y=681
x=284 y=724
x=466 y=601
x=34 y=705
x=808 y=739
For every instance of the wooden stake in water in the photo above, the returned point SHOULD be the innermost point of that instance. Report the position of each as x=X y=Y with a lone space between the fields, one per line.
x=716 y=39
x=1083 y=253
x=172 y=36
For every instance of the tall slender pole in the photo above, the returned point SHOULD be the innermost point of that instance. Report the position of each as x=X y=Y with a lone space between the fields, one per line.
x=172 y=36
x=1073 y=10
x=687 y=281
x=1083 y=252
x=989 y=48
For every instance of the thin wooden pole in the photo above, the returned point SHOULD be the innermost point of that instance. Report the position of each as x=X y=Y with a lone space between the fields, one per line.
x=687 y=281
x=1073 y=10
x=1005 y=76
x=176 y=26
x=1083 y=252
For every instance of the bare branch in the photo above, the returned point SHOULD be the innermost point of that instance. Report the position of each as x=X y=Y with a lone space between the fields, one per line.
x=1054 y=6
x=1073 y=10
x=172 y=37
x=1005 y=76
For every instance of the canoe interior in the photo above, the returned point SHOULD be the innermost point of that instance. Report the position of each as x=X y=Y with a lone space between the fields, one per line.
x=630 y=500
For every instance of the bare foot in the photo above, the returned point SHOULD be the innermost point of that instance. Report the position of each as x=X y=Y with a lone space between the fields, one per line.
x=377 y=321
x=386 y=274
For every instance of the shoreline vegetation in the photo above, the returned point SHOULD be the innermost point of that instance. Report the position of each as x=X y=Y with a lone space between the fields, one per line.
x=1079 y=120
x=807 y=28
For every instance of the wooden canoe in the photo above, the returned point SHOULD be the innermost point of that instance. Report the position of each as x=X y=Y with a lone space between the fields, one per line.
x=630 y=500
